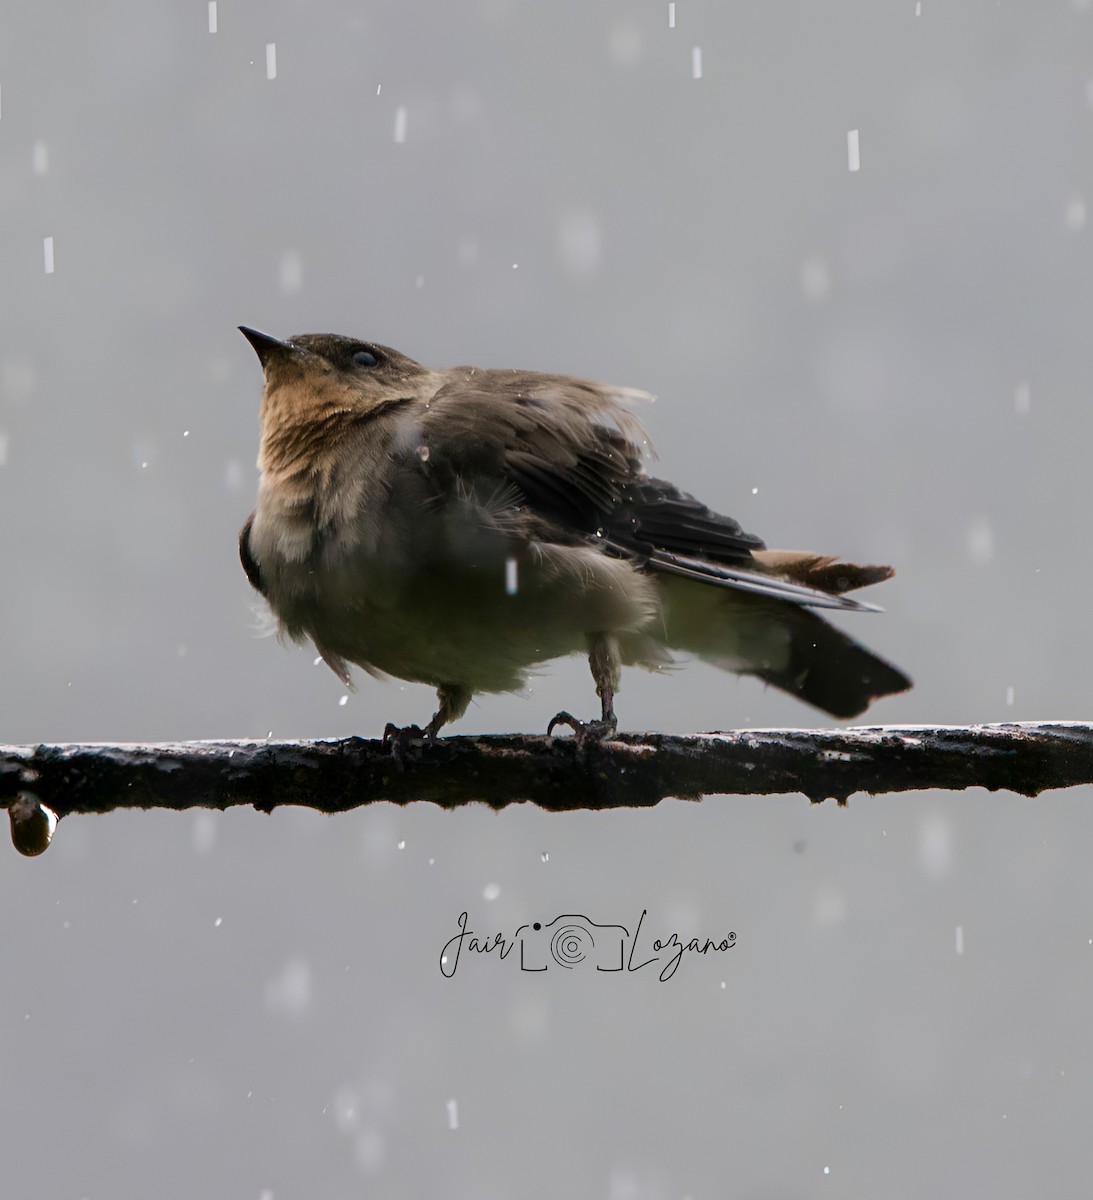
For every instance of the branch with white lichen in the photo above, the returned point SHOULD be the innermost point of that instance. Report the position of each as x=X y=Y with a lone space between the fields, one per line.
x=39 y=784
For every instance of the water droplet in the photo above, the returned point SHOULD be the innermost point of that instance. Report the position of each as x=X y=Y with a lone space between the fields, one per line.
x=453 y=1115
x=545 y=856
x=32 y=825
x=423 y=453
x=491 y=891
x=980 y=542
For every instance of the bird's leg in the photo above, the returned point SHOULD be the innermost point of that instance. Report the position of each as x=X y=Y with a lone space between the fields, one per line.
x=453 y=697
x=606 y=664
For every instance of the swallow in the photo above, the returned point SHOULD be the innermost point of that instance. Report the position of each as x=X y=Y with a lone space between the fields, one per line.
x=461 y=527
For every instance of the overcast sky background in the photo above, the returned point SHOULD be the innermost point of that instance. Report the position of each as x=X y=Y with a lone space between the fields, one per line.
x=892 y=364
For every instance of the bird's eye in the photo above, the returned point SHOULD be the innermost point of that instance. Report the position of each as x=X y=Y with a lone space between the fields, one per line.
x=364 y=358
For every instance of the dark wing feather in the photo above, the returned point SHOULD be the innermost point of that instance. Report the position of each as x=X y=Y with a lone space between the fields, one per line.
x=574 y=456
x=565 y=444
x=653 y=514
x=250 y=566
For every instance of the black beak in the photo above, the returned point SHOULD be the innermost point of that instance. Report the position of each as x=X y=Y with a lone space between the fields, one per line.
x=265 y=347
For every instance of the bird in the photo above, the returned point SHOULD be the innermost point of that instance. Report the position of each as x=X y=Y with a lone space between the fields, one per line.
x=460 y=527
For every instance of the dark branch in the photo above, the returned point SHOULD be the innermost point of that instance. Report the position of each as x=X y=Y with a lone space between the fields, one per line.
x=634 y=771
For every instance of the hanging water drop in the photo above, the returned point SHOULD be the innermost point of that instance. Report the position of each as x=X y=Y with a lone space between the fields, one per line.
x=32 y=824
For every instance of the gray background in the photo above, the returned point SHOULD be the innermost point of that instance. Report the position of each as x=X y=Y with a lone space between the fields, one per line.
x=892 y=364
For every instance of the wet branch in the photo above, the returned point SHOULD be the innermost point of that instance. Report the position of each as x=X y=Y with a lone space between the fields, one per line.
x=634 y=771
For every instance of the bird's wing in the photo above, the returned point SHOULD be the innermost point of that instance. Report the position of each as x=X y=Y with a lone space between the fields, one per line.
x=571 y=454
x=566 y=445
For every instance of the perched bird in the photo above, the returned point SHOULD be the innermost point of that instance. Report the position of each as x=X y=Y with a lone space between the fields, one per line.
x=459 y=527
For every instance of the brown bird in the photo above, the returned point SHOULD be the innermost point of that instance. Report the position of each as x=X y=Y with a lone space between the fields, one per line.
x=459 y=527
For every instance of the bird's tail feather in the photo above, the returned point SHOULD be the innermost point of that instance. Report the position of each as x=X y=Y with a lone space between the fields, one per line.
x=824 y=667
x=788 y=646
x=826 y=572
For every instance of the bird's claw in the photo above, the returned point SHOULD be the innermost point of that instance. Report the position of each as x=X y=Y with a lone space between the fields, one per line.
x=585 y=732
x=402 y=739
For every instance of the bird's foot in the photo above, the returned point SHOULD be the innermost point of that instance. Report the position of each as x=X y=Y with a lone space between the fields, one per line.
x=585 y=732
x=403 y=739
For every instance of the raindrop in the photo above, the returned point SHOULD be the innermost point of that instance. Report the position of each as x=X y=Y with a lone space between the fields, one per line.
x=853 y=153
x=491 y=891
x=212 y=16
x=980 y=541
x=32 y=824
x=204 y=831
x=290 y=993
x=936 y=851
x=580 y=243
x=453 y=1115
x=290 y=275
x=271 y=60
x=625 y=47
x=400 y=124
x=815 y=278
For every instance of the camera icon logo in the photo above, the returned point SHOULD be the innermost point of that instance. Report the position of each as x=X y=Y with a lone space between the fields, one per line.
x=572 y=939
